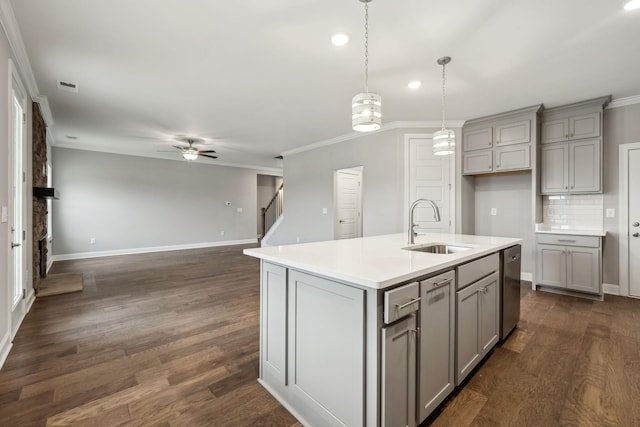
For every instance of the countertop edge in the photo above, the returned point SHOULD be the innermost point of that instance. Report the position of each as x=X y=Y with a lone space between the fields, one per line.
x=385 y=283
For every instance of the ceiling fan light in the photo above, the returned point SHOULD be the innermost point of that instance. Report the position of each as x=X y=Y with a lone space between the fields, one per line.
x=189 y=155
x=444 y=142
x=366 y=112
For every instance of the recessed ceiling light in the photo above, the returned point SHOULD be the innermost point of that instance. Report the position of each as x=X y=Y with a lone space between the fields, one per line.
x=340 y=39
x=415 y=84
x=632 y=5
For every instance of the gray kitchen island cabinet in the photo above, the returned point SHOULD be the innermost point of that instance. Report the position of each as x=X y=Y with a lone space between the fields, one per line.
x=361 y=332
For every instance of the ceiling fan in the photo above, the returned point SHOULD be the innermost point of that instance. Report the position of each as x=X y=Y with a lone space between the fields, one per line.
x=191 y=153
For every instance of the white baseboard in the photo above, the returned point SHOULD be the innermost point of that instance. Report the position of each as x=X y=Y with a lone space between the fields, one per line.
x=610 y=289
x=31 y=297
x=526 y=276
x=49 y=263
x=133 y=251
x=5 y=347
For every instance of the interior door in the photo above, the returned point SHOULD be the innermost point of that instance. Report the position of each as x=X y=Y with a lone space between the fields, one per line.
x=429 y=179
x=634 y=223
x=348 y=211
x=17 y=209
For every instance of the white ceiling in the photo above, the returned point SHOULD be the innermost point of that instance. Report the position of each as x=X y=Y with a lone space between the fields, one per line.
x=258 y=78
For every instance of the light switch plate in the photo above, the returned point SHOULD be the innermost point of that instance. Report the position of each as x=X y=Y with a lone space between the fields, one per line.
x=5 y=214
x=239 y=210
x=494 y=211
x=324 y=211
x=611 y=212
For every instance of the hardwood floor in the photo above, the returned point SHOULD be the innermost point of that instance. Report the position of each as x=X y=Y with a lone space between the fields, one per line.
x=171 y=339
x=166 y=339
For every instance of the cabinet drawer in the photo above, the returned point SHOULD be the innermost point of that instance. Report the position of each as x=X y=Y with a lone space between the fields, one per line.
x=401 y=301
x=569 y=240
x=475 y=270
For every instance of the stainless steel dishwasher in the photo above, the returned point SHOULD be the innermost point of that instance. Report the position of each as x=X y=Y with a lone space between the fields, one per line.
x=509 y=290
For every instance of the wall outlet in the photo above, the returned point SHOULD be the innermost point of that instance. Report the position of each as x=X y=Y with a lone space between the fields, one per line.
x=227 y=204
x=494 y=211
x=92 y=240
x=611 y=212
x=239 y=210
x=222 y=232
x=324 y=211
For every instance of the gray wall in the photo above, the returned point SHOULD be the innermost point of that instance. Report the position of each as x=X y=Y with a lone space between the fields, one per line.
x=511 y=196
x=129 y=202
x=309 y=186
x=621 y=126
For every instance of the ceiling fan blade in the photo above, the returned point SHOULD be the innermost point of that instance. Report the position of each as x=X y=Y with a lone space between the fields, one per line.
x=206 y=151
x=179 y=148
x=206 y=155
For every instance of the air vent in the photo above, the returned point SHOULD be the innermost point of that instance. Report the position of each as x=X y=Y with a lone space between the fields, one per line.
x=69 y=87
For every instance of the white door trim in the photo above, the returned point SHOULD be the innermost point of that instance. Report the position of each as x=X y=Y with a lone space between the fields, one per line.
x=407 y=190
x=623 y=218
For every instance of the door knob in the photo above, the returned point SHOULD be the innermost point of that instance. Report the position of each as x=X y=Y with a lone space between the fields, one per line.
x=341 y=221
x=636 y=224
x=15 y=245
x=636 y=234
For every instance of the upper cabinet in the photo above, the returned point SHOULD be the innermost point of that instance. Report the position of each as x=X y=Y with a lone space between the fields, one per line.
x=500 y=143
x=571 y=160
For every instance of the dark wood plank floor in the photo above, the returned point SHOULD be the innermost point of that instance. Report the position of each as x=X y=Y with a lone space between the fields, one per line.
x=171 y=339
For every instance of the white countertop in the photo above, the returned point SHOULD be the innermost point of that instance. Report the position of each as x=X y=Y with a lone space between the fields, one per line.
x=545 y=229
x=379 y=261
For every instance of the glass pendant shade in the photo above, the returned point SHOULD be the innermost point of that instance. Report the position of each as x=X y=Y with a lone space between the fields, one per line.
x=366 y=112
x=444 y=142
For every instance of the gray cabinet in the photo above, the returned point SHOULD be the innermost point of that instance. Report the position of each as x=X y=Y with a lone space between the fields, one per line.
x=437 y=342
x=273 y=323
x=578 y=126
x=570 y=262
x=326 y=350
x=399 y=373
x=573 y=167
x=477 y=323
x=499 y=143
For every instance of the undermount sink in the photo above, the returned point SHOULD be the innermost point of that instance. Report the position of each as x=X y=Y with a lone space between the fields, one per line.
x=438 y=248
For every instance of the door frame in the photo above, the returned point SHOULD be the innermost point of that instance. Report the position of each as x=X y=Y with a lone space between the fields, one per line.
x=356 y=170
x=407 y=191
x=623 y=218
x=15 y=84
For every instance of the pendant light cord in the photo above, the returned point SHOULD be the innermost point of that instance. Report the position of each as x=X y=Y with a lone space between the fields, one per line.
x=443 y=99
x=366 y=47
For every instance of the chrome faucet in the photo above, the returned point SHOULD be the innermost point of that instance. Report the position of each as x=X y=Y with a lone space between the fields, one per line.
x=436 y=216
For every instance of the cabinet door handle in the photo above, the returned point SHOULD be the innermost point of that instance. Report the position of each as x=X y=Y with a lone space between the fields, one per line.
x=407 y=304
x=636 y=234
x=566 y=240
x=497 y=166
x=497 y=142
x=571 y=135
x=566 y=135
x=636 y=224
x=566 y=188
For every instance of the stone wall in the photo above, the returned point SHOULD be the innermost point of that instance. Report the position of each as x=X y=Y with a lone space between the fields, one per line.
x=39 y=168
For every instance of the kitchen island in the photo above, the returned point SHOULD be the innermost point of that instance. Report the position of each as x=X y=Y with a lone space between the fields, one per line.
x=368 y=332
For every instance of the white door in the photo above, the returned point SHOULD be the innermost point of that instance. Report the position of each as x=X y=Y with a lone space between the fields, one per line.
x=348 y=199
x=634 y=222
x=429 y=179
x=17 y=221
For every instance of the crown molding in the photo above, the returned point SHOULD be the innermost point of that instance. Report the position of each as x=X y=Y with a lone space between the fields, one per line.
x=266 y=170
x=385 y=127
x=12 y=30
x=623 y=102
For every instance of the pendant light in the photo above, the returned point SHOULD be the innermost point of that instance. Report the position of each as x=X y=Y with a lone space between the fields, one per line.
x=444 y=140
x=366 y=107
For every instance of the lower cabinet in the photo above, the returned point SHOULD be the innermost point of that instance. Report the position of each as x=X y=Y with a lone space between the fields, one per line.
x=477 y=326
x=312 y=345
x=326 y=350
x=437 y=342
x=563 y=263
x=399 y=373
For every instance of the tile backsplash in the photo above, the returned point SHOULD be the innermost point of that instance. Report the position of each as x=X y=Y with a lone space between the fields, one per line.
x=573 y=211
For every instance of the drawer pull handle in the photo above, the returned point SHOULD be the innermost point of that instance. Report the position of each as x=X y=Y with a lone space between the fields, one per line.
x=566 y=240
x=444 y=282
x=407 y=304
